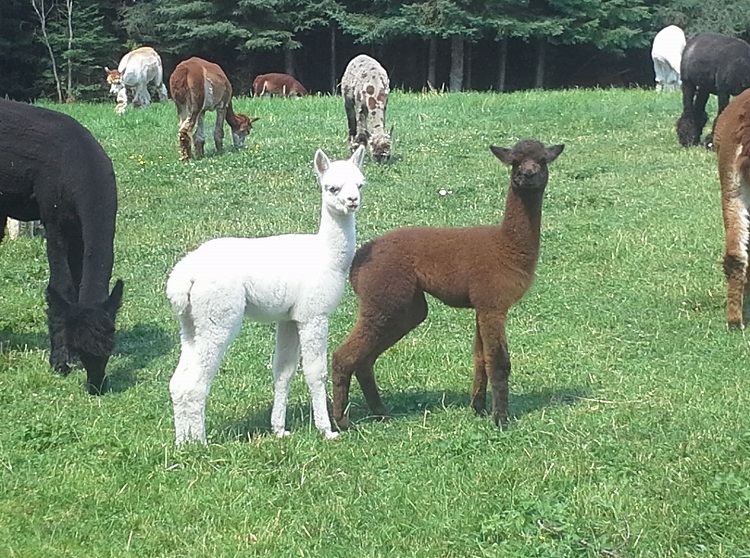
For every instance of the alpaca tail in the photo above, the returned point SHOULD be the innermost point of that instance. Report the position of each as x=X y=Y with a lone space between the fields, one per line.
x=178 y=289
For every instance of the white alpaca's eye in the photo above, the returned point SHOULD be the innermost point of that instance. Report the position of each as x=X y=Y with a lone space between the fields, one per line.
x=334 y=189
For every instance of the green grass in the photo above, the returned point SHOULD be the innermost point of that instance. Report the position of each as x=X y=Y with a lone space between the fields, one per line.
x=630 y=435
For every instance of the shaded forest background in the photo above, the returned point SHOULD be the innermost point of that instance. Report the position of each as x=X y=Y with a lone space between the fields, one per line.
x=58 y=49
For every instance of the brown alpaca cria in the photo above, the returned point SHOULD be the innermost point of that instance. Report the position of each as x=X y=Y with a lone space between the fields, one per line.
x=198 y=86
x=732 y=144
x=487 y=268
x=283 y=85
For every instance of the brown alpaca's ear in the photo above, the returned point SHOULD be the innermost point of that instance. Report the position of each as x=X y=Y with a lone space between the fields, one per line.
x=112 y=304
x=254 y=119
x=552 y=152
x=107 y=69
x=503 y=153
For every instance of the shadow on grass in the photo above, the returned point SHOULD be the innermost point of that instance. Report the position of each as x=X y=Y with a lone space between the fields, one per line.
x=20 y=342
x=401 y=405
x=136 y=348
x=412 y=403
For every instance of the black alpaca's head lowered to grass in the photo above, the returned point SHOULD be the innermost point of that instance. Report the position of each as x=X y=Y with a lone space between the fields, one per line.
x=55 y=170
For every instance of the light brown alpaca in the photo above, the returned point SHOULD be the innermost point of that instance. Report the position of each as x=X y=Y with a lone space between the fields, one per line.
x=198 y=86
x=487 y=268
x=732 y=144
x=277 y=84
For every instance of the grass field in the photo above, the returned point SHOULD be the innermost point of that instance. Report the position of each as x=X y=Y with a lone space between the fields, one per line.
x=630 y=435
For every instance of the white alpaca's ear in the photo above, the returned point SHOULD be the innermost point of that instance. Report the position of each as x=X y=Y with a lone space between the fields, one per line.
x=358 y=156
x=321 y=162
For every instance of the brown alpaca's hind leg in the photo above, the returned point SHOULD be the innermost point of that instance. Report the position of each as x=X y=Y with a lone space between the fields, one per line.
x=372 y=335
x=491 y=326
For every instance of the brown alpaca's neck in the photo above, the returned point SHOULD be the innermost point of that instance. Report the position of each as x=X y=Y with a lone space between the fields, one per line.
x=232 y=117
x=522 y=223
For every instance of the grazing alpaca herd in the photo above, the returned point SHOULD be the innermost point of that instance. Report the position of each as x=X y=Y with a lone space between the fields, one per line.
x=52 y=169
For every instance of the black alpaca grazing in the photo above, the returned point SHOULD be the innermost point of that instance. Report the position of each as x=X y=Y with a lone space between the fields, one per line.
x=52 y=168
x=711 y=64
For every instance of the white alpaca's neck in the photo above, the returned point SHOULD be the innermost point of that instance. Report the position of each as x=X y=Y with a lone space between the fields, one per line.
x=337 y=233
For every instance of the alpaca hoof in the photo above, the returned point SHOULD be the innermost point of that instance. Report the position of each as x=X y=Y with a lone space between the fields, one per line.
x=480 y=407
x=282 y=433
x=501 y=421
x=60 y=362
x=343 y=423
x=94 y=389
x=738 y=325
x=330 y=435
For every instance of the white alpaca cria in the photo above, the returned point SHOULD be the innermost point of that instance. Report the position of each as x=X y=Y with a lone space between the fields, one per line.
x=295 y=280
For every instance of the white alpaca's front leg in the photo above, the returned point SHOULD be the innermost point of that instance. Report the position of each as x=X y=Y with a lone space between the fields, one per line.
x=285 y=361
x=313 y=337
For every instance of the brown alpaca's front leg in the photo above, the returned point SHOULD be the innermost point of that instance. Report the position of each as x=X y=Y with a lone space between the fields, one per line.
x=735 y=255
x=497 y=362
x=479 y=387
x=221 y=115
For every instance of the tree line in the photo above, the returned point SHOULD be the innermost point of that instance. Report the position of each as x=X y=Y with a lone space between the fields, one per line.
x=57 y=49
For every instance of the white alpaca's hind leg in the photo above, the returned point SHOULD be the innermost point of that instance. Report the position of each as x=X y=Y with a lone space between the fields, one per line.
x=142 y=97
x=216 y=322
x=313 y=337
x=285 y=361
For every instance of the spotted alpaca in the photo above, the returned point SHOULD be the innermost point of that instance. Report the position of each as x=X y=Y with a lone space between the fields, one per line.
x=365 y=87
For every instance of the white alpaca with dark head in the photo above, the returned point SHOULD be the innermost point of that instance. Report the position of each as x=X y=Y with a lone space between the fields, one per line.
x=295 y=280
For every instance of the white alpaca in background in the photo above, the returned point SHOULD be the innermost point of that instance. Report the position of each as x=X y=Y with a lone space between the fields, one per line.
x=295 y=280
x=666 y=53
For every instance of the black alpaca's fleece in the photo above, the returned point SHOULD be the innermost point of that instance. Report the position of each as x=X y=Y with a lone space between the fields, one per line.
x=53 y=169
x=712 y=64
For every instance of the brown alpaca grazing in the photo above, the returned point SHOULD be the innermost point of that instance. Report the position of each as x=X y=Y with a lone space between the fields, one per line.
x=732 y=144
x=488 y=268
x=198 y=86
x=277 y=84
